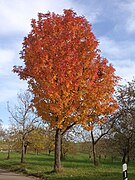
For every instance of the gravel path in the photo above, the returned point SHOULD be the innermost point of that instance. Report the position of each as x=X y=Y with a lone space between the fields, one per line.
x=6 y=175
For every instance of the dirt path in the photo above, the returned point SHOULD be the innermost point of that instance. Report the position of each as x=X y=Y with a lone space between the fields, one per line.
x=5 y=175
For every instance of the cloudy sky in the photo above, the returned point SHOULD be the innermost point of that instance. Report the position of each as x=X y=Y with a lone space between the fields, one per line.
x=113 y=23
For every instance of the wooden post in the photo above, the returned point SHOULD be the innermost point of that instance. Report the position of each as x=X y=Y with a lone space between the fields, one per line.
x=125 y=175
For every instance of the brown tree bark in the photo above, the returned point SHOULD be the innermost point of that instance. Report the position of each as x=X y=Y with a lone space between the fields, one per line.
x=25 y=149
x=57 y=162
x=123 y=159
x=62 y=155
x=22 y=151
x=8 y=155
x=93 y=150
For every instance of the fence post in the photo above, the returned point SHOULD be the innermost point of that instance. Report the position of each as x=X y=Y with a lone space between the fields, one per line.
x=125 y=175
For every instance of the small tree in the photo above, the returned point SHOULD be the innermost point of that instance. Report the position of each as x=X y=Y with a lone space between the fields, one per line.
x=6 y=138
x=50 y=140
x=66 y=74
x=98 y=132
x=9 y=140
x=38 y=140
x=124 y=129
x=23 y=119
x=1 y=130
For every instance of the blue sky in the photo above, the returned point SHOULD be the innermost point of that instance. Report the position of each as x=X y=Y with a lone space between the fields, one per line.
x=113 y=23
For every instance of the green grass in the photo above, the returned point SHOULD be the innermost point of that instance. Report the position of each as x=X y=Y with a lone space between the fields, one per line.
x=75 y=167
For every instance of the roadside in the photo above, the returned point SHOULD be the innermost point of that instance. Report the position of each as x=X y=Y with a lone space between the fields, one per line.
x=7 y=175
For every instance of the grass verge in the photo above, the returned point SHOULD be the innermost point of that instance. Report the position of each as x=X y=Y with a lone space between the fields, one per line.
x=75 y=167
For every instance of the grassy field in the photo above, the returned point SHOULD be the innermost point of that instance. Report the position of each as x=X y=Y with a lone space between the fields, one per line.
x=75 y=167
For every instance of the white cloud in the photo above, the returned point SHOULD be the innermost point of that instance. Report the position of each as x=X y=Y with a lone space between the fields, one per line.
x=9 y=87
x=6 y=58
x=109 y=47
x=125 y=69
x=121 y=55
x=16 y=15
x=117 y=49
x=92 y=11
x=128 y=8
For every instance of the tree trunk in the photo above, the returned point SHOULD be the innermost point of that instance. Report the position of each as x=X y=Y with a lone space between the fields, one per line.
x=62 y=155
x=128 y=158
x=93 y=150
x=94 y=155
x=124 y=158
x=57 y=163
x=25 y=149
x=128 y=151
x=8 y=155
x=49 y=152
x=22 y=152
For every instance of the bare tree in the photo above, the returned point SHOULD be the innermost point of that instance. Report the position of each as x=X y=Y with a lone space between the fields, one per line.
x=1 y=129
x=23 y=118
x=98 y=132
x=93 y=136
x=124 y=129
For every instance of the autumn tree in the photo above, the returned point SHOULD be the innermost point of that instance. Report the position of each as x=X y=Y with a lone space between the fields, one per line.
x=36 y=140
x=69 y=79
x=23 y=119
x=41 y=139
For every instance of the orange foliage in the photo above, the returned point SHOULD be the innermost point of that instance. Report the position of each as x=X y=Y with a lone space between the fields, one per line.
x=69 y=79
